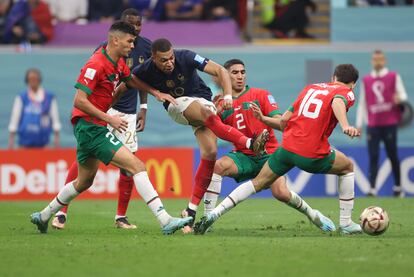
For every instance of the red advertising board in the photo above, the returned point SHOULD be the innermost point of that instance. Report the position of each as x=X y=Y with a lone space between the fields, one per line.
x=39 y=174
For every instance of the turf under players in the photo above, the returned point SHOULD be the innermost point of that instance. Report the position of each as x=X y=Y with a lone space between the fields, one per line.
x=94 y=96
x=306 y=127
x=175 y=72
x=126 y=106
x=253 y=110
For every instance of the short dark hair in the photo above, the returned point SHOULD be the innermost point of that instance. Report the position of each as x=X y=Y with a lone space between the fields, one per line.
x=346 y=73
x=32 y=70
x=232 y=62
x=124 y=27
x=130 y=12
x=161 y=45
x=378 y=52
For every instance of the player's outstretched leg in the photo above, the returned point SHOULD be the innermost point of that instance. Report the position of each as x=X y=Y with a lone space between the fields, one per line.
x=60 y=217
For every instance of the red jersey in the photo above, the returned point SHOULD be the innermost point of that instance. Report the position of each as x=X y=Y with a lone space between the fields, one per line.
x=242 y=118
x=98 y=78
x=313 y=120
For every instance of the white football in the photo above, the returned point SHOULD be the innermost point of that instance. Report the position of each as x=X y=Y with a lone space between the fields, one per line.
x=374 y=220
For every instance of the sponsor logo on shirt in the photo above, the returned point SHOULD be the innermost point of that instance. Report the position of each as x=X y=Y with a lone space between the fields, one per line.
x=90 y=73
x=350 y=96
x=199 y=59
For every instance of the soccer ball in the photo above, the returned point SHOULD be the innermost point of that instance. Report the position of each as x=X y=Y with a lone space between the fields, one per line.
x=374 y=220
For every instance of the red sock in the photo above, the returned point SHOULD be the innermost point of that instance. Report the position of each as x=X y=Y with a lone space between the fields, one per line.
x=225 y=132
x=202 y=180
x=125 y=185
x=72 y=175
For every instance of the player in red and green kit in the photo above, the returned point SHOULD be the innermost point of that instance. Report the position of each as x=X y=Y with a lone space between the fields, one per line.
x=307 y=126
x=94 y=96
x=253 y=110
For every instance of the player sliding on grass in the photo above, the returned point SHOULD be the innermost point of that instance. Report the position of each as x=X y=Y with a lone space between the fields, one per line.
x=254 y=110
x=307 y=126
x=175 y=71
x=95 y=142
x=126 y=105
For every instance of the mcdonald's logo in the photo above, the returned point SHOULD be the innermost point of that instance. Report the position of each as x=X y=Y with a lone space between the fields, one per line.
x=160 y=170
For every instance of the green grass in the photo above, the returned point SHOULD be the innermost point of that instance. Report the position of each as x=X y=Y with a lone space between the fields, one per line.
x=258 y=238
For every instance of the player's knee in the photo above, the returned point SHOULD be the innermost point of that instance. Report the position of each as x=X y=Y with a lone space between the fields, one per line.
x=135 y=166
x=219 y=168
x=349 y=167
x=209 y=153
x=280 y=191
x=206 y=113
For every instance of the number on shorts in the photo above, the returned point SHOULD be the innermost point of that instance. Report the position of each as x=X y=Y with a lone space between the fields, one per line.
x=308 y=100
x=111 y=138
x=130 y=138
x=239 y=121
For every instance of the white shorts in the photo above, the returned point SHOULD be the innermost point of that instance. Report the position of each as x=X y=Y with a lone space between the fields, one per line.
x=176 y=112
x=129 y=137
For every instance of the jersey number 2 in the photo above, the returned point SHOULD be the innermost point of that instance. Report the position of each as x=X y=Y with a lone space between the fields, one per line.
x=239 y=121
x=308 y=100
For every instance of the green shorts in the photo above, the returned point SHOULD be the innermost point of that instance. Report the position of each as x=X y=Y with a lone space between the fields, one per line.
x=248 y=166
x=95 y=141
x=282 y=161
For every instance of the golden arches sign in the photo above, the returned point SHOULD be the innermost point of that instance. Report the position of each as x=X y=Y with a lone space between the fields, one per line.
x=161 y=169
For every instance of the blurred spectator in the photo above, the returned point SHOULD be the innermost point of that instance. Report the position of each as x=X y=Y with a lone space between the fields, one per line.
x=69 y=11
x=183 y=9
x=220 y=9
x=106 y=10
x=5 y=6
x=282 y=16
x=34 y=114
x=150 y=9
x=381 y=93
x=29 y=20
x=364 y=3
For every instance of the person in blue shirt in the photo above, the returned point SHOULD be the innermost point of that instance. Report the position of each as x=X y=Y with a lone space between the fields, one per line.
x=127 y=106
x=34 y=115
x=175 y=72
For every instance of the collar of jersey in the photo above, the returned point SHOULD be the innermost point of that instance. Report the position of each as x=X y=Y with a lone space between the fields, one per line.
x=246 y=90
x=109 y=58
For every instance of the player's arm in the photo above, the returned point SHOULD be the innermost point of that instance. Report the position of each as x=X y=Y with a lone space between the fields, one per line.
x=285 y=118
x=142 y=113
x=82 y=103
x=271 y=121
x=339 y=109
x=224 y=81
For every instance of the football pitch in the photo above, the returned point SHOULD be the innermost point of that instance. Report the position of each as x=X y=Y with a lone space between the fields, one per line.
x=260 y=237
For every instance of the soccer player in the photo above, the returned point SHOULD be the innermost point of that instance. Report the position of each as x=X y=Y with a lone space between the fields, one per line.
x=175 y=71
x=94 y=95
x=307 y=125
x=126 y=106
x=254 y=109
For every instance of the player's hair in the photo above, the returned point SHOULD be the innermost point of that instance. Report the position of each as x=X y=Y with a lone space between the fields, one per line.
x=130 y=12
x=160 y=45
x=378 y=52
x=346 y=73
x=34 y=70
x=123 y=27
x=232 y=62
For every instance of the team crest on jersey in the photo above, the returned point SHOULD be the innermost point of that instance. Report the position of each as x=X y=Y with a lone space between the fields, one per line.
x=170 y=83
x=350 y=96
x=141 y=59
x=199 y=59
x=90 y=73
x=129 y=62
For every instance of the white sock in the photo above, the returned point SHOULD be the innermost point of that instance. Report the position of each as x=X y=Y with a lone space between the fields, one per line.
x=238 y=195
x=299 y=204
x=212 y=193
x=192 y=206
x=150 y=196
x=65 y=195
x=346 y=198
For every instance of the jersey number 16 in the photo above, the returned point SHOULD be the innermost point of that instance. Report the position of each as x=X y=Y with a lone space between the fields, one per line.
x=308 y=100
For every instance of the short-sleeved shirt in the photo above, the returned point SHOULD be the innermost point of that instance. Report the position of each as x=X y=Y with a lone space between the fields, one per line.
x=183 y=80
x=242 y=118
x=98 y=78
x=313 y=120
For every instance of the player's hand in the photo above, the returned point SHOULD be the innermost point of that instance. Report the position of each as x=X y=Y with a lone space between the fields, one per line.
x=141 y=116
x=162 y=97
x=118 y=123
x=227 y=103
x=351 y=131
x=257 y=112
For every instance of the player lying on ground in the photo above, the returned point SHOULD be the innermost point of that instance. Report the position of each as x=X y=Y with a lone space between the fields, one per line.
x=127 y=107
x=253 y=110
x=306 y=127
x=175 y=72
x=95 y=142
